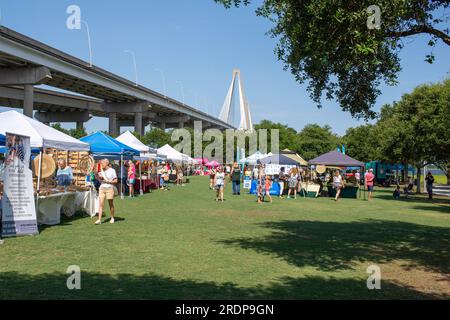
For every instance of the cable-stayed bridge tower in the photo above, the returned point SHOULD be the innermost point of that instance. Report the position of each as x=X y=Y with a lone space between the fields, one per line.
x=246 y=117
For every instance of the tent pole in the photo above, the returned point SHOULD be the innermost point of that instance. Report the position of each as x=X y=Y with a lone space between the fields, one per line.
x=38 y=189
x=141 y=192
x=121 y=176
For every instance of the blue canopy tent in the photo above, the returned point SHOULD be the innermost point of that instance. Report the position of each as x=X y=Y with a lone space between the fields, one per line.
x=2 y=140
x=104 y=146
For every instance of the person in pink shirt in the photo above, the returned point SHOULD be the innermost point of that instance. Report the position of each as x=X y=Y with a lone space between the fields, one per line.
x=131 y=179
x=370 y=178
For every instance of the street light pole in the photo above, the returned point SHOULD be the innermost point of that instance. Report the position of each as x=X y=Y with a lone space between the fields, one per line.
x=182 y=90
x=163 y=81
x=135 y=65
x=89 y=41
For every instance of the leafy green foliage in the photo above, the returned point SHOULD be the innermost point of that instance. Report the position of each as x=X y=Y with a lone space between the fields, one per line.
x=327 y=43
x=314 y=140
x=359 y=143
x=416 y=129
x=76 y=133
x=156 y=138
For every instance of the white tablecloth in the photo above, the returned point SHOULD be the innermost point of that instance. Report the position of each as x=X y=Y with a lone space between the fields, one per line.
x=49 y=207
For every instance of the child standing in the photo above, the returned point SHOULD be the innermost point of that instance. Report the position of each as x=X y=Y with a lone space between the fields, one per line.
x=219 y=184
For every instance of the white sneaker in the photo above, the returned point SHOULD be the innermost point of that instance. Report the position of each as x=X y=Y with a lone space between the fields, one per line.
x=112 y=220
x=98 y=222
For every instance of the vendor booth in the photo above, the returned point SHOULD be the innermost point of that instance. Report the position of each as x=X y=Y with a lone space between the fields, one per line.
x=144 y=182
x=104 y=146
x=51 y=200
x=294 y=156
x=175 y=156
x=335 y=159
x=253 y=159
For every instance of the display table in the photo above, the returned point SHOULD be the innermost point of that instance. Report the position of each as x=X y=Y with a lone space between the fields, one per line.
x=274 y=190
x=49 y=207
x=147 y=185
x=347 y=192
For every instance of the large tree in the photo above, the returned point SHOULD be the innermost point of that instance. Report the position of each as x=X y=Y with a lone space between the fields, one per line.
x=314 y=140
x=156 y=138
x=76 y=133
x=359 y=143
x=287 y=135
x=338 y=49
x=416 y=129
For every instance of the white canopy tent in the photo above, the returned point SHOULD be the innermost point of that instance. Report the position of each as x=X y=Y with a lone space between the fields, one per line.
x=253 y=159
x=41 y=135
x=174 y=155
x=130 y=140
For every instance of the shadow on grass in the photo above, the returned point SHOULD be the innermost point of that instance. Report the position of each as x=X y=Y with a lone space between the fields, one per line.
x=125 y=286
x=439 y=208
x=331 y=246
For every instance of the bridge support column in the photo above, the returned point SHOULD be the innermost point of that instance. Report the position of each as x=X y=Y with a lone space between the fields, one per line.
x=28 y=101
x=80 y=125
x=138 y=123
x=113 y=125
x=181 y=125
x=162 y=125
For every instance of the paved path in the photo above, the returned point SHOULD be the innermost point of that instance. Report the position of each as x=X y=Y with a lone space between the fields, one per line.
x=442 y=190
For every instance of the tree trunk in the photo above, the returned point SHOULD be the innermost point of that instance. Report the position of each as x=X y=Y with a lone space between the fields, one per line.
x=448 y=175
x=419 y=175
x=405 y=172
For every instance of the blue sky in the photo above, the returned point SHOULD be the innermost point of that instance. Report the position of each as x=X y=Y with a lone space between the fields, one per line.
x=198 y=43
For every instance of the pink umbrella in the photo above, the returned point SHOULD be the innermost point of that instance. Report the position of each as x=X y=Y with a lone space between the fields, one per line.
x=213 y=163
x=201 y=160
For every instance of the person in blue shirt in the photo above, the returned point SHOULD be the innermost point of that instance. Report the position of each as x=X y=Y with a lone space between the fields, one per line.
x=64 y=175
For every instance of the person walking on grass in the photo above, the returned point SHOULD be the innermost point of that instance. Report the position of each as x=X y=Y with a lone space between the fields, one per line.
x=281 y=181
x=219 y=184
x=268 y=186
x=212 y=174
x=108 y=179
x=236 y=176
x=131 y=177
x=370 y=179
x=292 y=183
x=338 y=184
x=430 y=181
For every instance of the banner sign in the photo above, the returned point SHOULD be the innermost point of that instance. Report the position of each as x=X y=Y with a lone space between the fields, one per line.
x=274 y=169
x=18 y=207
x=247 y=182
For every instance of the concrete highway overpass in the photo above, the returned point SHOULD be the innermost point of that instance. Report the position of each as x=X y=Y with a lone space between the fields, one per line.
x=25 y=63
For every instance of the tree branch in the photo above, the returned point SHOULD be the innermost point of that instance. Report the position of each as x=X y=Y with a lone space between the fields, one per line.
x=421 y=29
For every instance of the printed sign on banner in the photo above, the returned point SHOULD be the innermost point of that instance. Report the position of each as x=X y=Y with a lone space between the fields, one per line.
x=19 y=213
x=274 y=169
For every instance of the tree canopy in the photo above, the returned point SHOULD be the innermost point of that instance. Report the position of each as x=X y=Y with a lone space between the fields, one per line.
x=314 y=140
x=75 y=133
x=336 y=47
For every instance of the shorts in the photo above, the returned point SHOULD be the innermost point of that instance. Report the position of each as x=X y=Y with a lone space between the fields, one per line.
x=370 y=188
x=106 y=193
x=219 y=187
x=131 y=181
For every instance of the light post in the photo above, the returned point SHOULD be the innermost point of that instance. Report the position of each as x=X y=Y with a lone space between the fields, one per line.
x=163 y=81
x=89 y=41
x=182 y=91
x=135 y=65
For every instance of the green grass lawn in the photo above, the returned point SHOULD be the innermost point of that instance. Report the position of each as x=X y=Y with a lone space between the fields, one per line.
x=181 y=244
